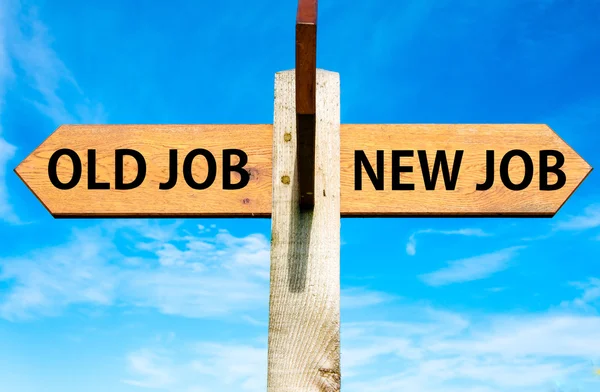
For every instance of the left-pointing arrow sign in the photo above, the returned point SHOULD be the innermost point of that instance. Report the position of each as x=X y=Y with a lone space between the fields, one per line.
x=153 y=171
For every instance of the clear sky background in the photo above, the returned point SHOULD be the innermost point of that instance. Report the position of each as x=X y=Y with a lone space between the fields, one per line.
x=428 y=305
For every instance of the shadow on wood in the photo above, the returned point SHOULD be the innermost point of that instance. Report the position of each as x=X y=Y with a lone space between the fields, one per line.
x=304 y=304
x=299 y=240
x=305 y=130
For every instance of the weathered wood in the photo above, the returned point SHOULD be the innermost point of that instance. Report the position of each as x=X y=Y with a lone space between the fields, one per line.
x=306 y=68
x=303 y=353
x=254 y=200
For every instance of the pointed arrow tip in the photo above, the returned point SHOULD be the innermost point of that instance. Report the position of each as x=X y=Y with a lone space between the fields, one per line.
x=17 y=171
x=583 y=178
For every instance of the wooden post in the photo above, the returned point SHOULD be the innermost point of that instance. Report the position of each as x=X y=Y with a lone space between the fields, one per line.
x=306 y=79
x=304 y=319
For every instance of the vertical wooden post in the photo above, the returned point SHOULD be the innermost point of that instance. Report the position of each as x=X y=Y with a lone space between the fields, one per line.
x=306 y=80
x=304 y=308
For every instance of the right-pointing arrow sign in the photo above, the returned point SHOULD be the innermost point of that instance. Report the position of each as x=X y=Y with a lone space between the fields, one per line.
x=456 y=170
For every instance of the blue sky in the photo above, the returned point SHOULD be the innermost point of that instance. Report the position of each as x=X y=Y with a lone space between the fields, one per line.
x=478 y=305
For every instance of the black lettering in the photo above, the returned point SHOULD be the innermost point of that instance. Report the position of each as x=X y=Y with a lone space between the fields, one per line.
x=187 y=169
x=397 y=169
x=527 y=178
x=489 y=172
x=360 y=159
x=561 y=178
x=440 y=160
x=239 y=168
x=52 y=169
x=172 y=172
x=92 y=184
x=141 y=165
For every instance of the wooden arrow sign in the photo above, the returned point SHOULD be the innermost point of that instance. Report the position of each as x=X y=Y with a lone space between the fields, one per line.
x=457 y=170
x=152 y=170
x=225 y=170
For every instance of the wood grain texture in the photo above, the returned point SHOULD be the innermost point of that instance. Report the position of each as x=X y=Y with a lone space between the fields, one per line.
x=304 y=353
x=305 y=158
x=465 y=200
x=306 y=74
x=154 y=141
x=306 y=56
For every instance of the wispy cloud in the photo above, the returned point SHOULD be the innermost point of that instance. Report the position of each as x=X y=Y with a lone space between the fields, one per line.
x=6 y=71
x=44 y=71
x=199 y=367
x=356 y=297
x=590 y=295
x=415 y=347
x=152 y=369
x=232 y=364
x=490 y=353
x=473 y=268
x=46 y=281
x=411 y=245
x=26 y=51
x=590 y=219
x=187 y=274
x=7 y=151
x=176 y=269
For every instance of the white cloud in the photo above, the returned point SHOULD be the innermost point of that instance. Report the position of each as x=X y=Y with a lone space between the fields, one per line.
x=356 y=297
x=553 y=335
x=199 y=366
x=473 y=268
x=412 y=347
x=415 y=347
x=479 y=353
x=411 y=245
x=151 y=264
x=151 y=368
x=26 y=43
x=45 y=72
x=7 y=152
x=6 y=71
x=169 y=270
x=46 y=281
x=589 y=297
x=590 y=219
x=233 y=365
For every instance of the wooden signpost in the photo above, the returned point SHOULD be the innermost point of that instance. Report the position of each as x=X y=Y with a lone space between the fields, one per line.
x=305 y=172
x=226 y=170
